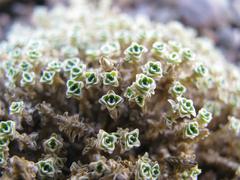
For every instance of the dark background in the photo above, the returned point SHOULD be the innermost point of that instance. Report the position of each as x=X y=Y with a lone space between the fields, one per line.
x=217 y=19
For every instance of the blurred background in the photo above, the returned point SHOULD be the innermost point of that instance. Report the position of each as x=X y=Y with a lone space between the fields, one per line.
x=217 y=19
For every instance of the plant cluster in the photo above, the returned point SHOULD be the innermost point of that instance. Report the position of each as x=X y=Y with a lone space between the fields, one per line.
x=88 y=93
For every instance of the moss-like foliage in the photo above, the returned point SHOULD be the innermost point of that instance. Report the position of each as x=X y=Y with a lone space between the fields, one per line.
x=88 y=93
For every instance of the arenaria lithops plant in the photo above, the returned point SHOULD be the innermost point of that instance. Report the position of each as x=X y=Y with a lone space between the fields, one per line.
x=87 y=91
x=106 y=141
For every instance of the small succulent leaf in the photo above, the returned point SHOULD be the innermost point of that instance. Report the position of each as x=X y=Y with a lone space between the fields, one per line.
x=16 y=107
